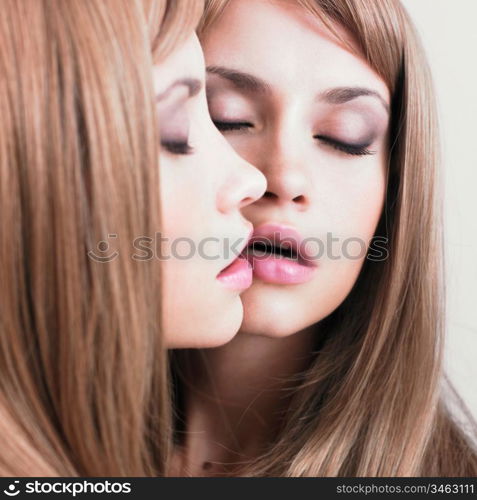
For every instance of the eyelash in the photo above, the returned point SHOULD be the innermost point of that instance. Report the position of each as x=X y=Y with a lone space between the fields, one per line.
x=227 y=126
x=177 y=147
x=351 y=149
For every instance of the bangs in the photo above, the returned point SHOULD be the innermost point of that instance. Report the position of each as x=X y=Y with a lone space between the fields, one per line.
x=170 y=23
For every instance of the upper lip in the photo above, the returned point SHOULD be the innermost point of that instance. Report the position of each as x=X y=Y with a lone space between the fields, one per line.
x=248 y=237
x=285 y=236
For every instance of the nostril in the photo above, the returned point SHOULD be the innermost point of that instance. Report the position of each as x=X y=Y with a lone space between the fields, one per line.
x=270 y=195
x=247 y=201
x=299 y=199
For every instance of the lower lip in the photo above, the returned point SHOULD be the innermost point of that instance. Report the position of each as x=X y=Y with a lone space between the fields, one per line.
x=280 y=270
x=238 y=275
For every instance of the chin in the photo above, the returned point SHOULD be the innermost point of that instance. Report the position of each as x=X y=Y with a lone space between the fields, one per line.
x=210 y=324
x=221 y=327
x=275 y=313
x=265 y=329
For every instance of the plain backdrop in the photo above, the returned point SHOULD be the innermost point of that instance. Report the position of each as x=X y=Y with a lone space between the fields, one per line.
x=448 y=32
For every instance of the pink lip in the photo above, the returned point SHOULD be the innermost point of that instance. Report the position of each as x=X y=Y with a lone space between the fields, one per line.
x=238 y=275
x=277 y=269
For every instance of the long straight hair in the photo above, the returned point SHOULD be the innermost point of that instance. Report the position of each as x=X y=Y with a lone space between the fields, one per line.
x=83 y=370
x=371 y=403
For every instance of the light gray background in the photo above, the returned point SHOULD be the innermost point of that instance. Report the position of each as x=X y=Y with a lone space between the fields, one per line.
x=447 y=29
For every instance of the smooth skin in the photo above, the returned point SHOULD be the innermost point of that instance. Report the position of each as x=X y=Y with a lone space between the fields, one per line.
x=314 y=118
x=204 y=185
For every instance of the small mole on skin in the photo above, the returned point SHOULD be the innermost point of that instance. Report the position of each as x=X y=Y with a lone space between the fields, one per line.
x=206 y=465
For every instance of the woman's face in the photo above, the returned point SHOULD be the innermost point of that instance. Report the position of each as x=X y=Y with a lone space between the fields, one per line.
x=313 y=117
x=204 y=184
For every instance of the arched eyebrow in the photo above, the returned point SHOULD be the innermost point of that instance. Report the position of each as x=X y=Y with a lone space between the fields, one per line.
x=250 y=83
x=193 y=85
x=340 y=95
x=241 y=80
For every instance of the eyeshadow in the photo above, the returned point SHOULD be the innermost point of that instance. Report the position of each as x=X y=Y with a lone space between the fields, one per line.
x=354 y=126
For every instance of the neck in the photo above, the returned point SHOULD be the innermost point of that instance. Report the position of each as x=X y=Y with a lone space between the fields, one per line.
x=236 y=396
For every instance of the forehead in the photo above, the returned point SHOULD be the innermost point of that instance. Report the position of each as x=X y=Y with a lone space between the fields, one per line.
x=186 y=61
x=287 y=46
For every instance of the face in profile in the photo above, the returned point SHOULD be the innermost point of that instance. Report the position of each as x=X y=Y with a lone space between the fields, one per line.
x=204 y=185
x=314 y=118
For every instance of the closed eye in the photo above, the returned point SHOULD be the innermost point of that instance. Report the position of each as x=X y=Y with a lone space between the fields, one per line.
x=177 y=147
x=350 y=149
x=225 y=126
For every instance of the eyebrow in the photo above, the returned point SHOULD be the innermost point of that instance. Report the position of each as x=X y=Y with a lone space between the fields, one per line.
x=251 y=83
x=241 y=80
x=341 y=95
x=192 y=84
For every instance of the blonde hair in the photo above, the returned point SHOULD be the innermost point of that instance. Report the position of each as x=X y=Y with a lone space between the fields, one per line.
x=83 y=371
x=371 y=403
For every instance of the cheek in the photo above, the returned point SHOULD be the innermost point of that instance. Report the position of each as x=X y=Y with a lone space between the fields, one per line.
x=353 y=214
x=360 y=214
x=171 y=209
x=353 y=201
x=183 y=192
x=181 y=267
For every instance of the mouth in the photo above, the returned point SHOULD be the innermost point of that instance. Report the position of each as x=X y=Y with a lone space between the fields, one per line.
x=264 y=248
x=277 y=255
x=238 y=275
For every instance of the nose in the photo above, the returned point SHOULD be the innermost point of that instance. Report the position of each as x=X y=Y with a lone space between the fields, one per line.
x=286 y=186
x=284 y=168
x=243 y=183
